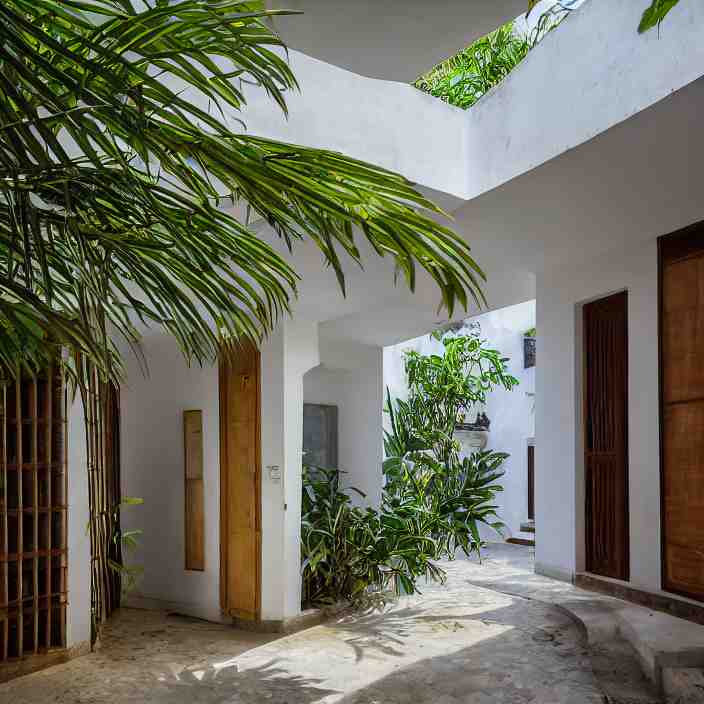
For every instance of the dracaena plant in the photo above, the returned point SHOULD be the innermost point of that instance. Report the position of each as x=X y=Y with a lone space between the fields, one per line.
x=117 y=157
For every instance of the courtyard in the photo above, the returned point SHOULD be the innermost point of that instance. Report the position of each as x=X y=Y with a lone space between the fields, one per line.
x=457 y=642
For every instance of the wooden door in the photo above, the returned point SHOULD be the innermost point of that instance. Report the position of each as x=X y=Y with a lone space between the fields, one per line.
x=606 y=436
x=531 y=482
x=682 y=411
x=240 y=488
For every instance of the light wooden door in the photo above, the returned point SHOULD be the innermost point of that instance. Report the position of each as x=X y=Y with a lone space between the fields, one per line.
x=240 y=477
x=682 y=411
x=606 y=436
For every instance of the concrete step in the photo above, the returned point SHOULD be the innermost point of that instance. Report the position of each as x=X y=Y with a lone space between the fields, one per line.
x=660 y=641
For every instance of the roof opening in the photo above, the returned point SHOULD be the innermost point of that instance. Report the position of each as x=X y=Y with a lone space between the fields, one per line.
x=465 y=77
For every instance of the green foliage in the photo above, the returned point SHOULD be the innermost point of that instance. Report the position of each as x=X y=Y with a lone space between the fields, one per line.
x=354 y=554
x=432 y=501
x=442 y=389
x=467 y=76
x=464 y=78
x=117 y=162
x=655 y=14
x=452 y=497
x=124 y=542
x=367 y=556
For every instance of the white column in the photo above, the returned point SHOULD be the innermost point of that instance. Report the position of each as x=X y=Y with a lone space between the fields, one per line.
x=289 y=352
x=78 y=622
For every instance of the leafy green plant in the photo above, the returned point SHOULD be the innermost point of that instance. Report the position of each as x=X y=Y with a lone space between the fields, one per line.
x=464 y=78
x=358 y=555
x=442 y=390
x=655 y=13
x=433 y=501
x=453 y=497
x=366 y=556
x=125 y=542
x=467 y=76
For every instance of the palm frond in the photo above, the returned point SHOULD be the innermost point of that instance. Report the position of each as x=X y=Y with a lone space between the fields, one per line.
x=118 y=156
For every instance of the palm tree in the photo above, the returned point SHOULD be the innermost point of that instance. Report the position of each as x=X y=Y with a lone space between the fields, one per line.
x=116 y=157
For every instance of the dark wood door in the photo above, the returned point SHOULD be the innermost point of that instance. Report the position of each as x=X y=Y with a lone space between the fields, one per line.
x=682 y=411
x=606 y=436
x=240 y=485
x=531 y=482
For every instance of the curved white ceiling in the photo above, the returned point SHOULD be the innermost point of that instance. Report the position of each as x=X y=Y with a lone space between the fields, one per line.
x=392 y=39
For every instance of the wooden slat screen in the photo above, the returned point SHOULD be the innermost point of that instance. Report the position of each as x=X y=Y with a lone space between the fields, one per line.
x=606 y=436
x=682 y=411
x=33 y=531
x=194 y=491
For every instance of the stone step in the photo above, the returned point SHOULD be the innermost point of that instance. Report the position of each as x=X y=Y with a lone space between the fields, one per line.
x=660 y=641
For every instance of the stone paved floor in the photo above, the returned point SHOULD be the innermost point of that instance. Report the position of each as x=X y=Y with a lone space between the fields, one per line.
x=454 y=643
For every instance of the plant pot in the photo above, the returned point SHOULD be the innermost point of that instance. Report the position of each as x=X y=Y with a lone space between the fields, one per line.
x=475 y=440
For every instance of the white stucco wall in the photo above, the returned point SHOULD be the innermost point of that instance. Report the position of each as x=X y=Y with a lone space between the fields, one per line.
x=511 y=412
x=78 y=620
x=152 y=469
x=590 y=74
x=559 y=442
x=286 y=356
x=357 y=390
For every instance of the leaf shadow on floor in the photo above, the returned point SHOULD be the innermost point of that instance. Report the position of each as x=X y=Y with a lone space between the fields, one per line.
x=231 y=683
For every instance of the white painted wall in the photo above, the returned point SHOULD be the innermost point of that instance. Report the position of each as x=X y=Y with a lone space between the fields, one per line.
x=78 y=619
x=590 y=74
x=350 y=377
x=152 y=469
x=390 y=124
x=286 y=356
x=559 y=444
x=511 y=412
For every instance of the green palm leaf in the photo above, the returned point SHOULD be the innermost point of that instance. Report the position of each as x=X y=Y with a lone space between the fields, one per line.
x=118 y=156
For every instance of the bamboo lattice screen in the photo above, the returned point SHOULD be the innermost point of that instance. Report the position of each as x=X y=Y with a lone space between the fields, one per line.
x=101 y=406
x=33 y=530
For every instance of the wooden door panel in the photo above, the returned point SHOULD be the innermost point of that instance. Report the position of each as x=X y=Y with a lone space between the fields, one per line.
x=682 y=411
x=240 y=532
x=684 y=488
x=683 y=330
x=606 y=436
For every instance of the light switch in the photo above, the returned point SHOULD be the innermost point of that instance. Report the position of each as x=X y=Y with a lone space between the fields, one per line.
x=274 y=473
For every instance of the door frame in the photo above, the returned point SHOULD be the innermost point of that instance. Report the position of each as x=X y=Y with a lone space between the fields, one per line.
x=585 y=414
x=686 y=234
x=225 y=376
